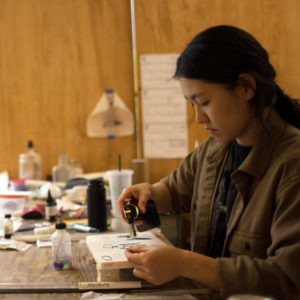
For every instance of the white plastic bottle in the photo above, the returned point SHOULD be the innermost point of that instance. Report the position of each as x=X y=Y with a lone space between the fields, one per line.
x=61 y=247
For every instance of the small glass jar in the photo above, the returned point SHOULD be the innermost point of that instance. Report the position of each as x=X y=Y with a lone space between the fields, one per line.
x=8 y=226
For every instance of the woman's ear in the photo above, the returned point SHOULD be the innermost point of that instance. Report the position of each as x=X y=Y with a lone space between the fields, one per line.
x=248 y=83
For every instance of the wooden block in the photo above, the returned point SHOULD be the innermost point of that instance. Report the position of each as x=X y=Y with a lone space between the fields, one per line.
x=116 y=275
x=108 y=249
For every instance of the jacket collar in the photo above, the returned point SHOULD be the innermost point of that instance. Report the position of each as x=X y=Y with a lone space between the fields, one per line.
x=258 y=159
x=217 y=150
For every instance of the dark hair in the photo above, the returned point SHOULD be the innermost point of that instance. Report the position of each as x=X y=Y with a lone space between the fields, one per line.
x=221 y=53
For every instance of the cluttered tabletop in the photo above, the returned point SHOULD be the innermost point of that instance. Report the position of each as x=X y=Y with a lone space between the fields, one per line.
x=52 y=245
x=30 y=215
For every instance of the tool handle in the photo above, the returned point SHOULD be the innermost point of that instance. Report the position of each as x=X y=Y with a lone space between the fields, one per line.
x=151 y=216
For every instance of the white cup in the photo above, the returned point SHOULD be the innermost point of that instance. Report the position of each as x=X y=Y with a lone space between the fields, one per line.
x=118 y=225
x=118 y=180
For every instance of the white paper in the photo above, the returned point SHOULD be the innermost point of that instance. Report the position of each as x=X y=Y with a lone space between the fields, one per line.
x=157 y=71
x=4 y=181
x=165 y=140
x=11 y=204
x=13 y=245
x=163 y=108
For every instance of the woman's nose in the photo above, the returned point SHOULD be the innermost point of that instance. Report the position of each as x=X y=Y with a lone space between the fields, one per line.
x=200 y=116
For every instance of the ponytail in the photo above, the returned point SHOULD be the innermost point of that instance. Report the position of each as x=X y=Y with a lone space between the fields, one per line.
x=288 y=108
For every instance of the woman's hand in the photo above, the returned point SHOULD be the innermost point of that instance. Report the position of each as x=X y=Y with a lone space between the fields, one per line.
x=159 y=264
x=141 y=192
x=156 y=264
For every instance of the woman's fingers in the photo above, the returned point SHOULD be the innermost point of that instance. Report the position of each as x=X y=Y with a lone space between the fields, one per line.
x=135 y=254
x=141 y=192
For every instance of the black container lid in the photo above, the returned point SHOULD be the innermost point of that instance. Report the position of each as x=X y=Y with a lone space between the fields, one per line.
x=96 y=182
x=60 y=224
x=30 y=144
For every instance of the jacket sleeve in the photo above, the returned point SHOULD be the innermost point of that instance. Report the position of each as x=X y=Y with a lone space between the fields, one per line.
x=278 y=274
x=180 y=184
x=181 y=181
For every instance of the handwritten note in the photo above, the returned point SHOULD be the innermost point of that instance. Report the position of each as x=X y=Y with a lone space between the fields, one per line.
x=163 y=108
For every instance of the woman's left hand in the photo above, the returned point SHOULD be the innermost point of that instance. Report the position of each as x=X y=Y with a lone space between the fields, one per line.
x=156 y=264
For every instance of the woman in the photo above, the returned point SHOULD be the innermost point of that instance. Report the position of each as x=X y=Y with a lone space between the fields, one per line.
x=242 y=185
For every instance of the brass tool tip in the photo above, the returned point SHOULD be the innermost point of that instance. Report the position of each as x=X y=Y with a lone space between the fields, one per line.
x=132 y=231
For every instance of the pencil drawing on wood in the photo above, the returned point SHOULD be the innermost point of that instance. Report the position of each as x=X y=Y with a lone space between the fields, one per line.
x=108 y=249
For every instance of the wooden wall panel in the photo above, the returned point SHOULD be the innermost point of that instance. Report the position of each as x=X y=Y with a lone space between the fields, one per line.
x=58 y=56
x=167 y=26
x=56 y=59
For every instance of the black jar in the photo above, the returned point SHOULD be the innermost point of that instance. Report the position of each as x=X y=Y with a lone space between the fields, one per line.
x=96 y=204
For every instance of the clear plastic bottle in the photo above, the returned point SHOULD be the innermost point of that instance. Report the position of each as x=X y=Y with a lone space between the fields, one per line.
x=61 y=247
x=30 y=164
x=8 y=226
x=61 y=172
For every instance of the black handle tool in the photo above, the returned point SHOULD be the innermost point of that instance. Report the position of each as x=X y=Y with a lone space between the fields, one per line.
x=132 y=213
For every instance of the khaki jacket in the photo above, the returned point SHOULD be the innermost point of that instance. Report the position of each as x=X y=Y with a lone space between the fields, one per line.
x=262 y=246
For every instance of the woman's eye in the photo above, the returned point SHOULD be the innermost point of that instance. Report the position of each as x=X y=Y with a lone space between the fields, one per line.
x=205 y=103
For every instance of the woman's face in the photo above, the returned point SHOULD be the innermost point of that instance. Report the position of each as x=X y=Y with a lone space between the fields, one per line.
x=225 y=113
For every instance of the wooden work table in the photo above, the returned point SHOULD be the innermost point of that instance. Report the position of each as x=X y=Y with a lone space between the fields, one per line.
x=31 y=275
x=34 y=266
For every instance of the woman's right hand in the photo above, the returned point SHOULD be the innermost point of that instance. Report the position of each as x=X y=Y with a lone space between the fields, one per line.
x=141 y=192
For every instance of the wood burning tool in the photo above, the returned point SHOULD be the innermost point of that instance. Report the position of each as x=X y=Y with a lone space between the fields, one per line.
x=132 y=213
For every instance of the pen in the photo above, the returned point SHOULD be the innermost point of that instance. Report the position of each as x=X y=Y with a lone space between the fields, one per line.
x=37 y=226
x=26 y=229
x=84 y=228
